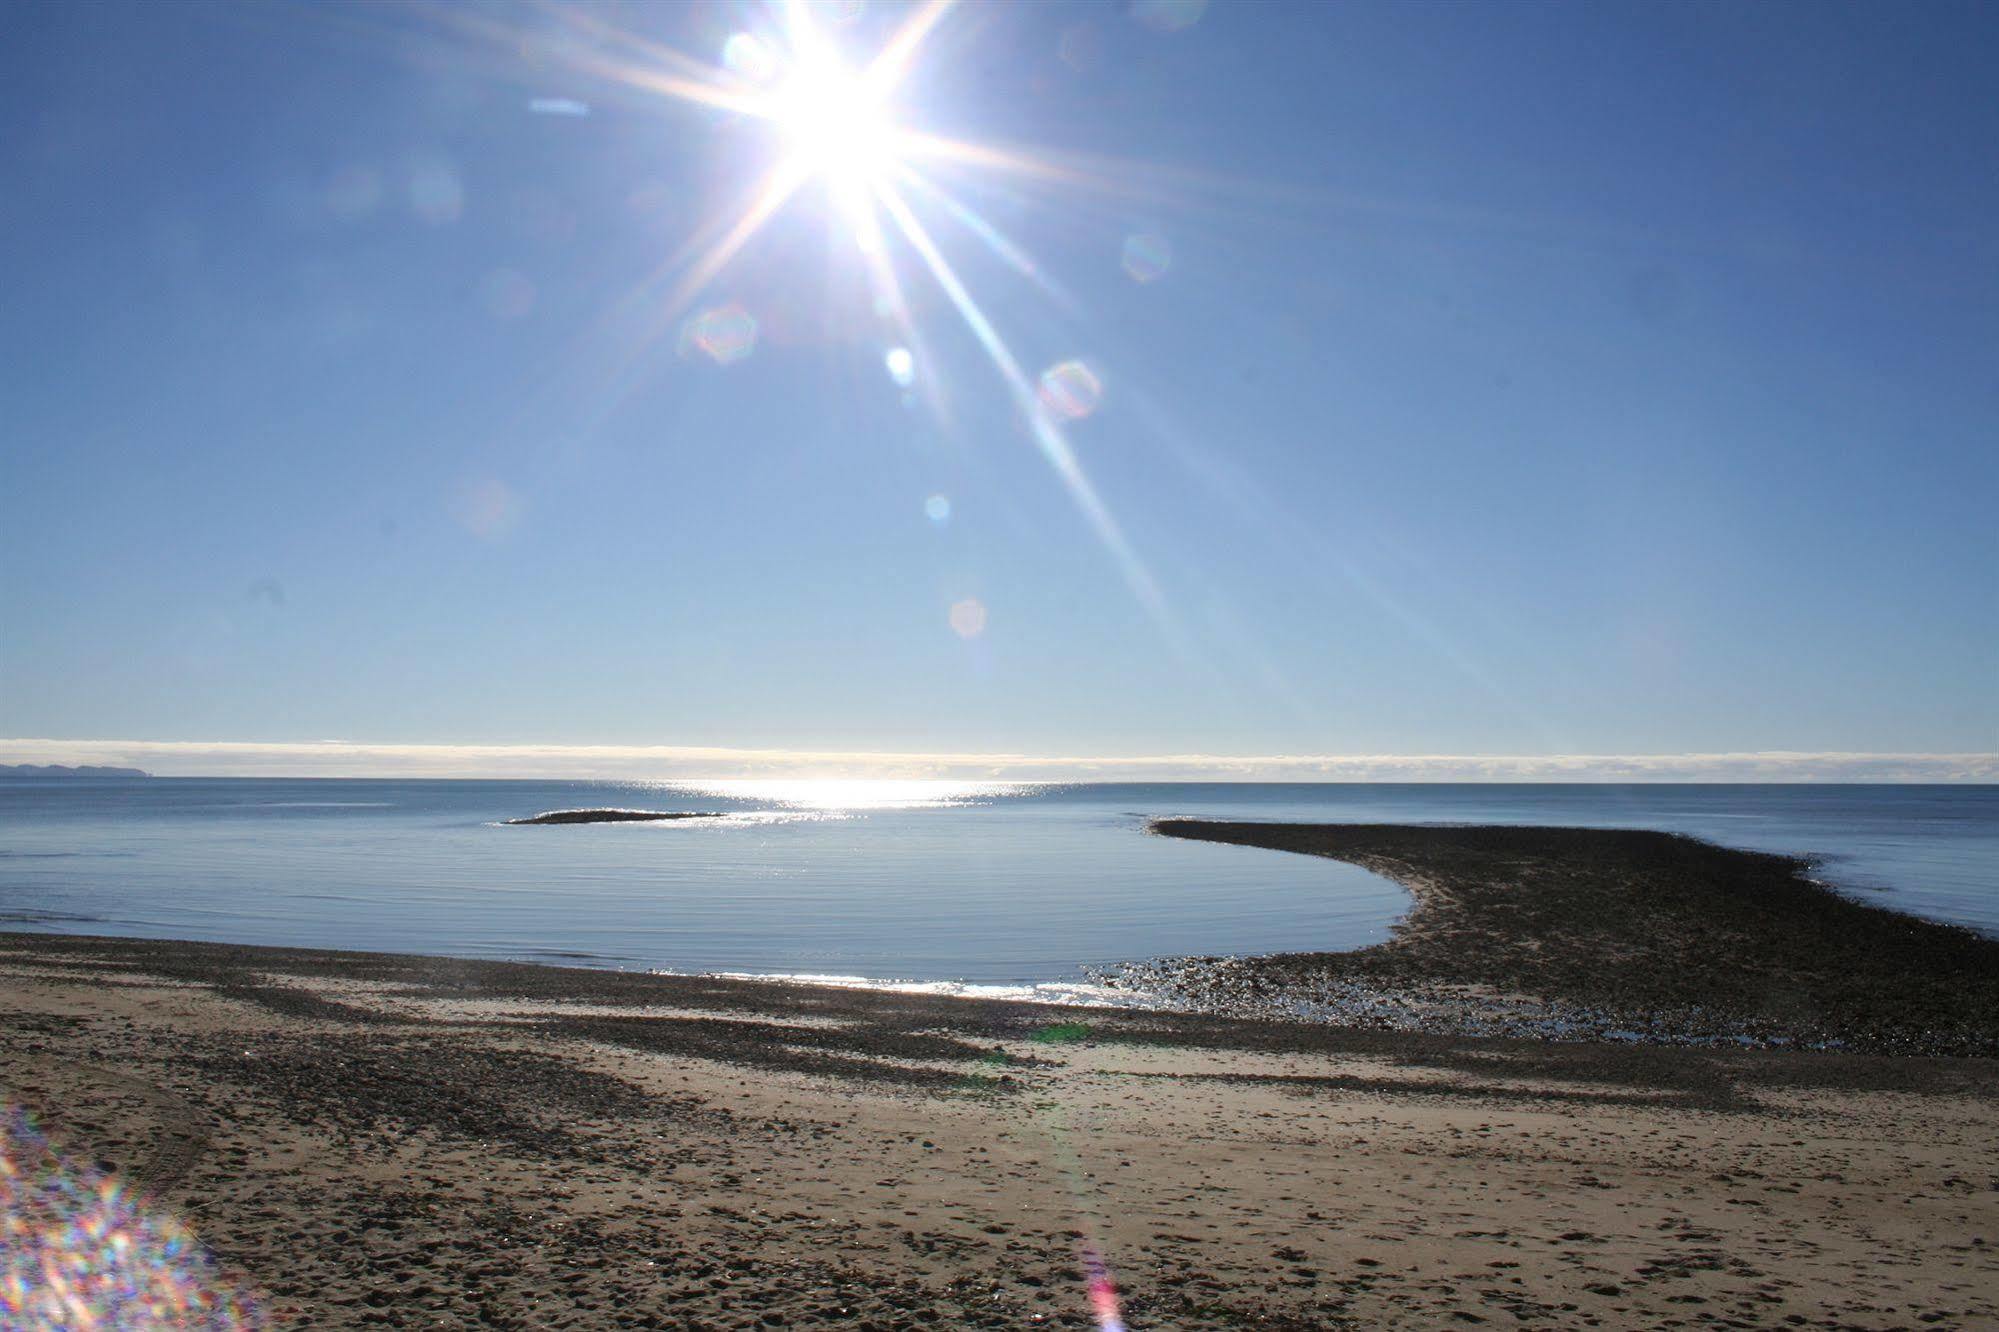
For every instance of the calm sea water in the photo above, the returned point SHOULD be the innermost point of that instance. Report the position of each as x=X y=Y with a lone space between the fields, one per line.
x=921 y=880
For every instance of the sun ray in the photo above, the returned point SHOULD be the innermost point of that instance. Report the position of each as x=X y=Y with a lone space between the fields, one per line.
x=696 y=264
x=659 y=53
x=885 y=286
x=893 y=63
x=991 y=236
x=665 y=71
x=918 y=144
x=778 y=185
x=837 y=124
x=1097 y=174
x=1053 y=443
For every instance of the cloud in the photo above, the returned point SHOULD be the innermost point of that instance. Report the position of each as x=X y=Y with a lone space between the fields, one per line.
x=342 y=758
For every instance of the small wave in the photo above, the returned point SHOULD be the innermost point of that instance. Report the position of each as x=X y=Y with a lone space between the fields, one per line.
x=318 y=804
x=577 y=955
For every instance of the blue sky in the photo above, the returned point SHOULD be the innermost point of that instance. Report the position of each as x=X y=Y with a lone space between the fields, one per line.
x=1526 y=380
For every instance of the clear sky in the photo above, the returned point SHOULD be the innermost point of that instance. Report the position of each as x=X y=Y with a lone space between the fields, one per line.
x=1508 y=379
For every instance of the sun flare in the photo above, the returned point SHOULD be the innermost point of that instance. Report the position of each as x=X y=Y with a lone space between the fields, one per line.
x=835 y=124
x=854 y=127
x=846 y=794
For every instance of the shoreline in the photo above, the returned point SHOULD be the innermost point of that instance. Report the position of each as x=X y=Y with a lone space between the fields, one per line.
x=393 y=1140
x=1627 y=936
x=1606 y=934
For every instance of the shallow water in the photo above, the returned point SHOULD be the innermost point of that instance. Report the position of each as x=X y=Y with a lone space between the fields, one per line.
x=935 y=881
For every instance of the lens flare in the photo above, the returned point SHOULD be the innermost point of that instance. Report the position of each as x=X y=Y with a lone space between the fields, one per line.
x=1071 y=390
x=1048 y=436
x=846 y=125
x=488 y=509
x=749 y=55
x=1147 y=256
x=968 y=618
x=725 y=334
x=834 y=121
x=77 y=1250
x=506 y=294
x=1168 y=15
x=1103 y=1293
x=1081 y=47
x=436 y=193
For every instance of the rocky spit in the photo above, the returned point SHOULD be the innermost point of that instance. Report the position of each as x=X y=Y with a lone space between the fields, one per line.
x=1602 y=935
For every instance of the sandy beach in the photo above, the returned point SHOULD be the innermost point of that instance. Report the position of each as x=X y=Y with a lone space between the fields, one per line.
x=900 y=664
x=374 y=1140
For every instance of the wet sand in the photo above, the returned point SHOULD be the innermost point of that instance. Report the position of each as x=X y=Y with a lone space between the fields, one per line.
x=1611 y=934
x=369 y=1140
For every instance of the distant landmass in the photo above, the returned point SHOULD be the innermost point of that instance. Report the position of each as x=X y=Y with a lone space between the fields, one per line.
x=61 y=770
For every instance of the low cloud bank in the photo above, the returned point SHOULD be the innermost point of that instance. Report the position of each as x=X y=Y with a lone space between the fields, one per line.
x=340 y=758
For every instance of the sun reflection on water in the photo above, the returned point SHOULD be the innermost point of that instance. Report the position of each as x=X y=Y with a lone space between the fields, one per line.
x=857 y=793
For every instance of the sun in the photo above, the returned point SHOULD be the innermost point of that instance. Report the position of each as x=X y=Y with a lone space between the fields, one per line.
x=857 y=130
x=835 y=123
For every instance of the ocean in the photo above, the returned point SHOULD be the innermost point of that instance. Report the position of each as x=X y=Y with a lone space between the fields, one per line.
x=981 y=887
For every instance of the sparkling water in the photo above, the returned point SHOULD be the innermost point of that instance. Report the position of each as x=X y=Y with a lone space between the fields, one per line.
x=948 y=881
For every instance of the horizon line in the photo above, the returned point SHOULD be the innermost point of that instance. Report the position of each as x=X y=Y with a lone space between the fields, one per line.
x=345 y=758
